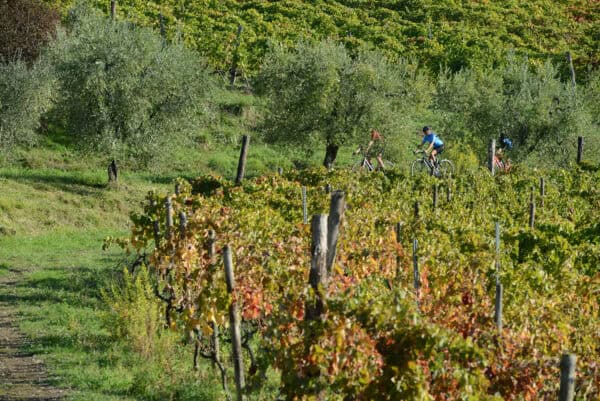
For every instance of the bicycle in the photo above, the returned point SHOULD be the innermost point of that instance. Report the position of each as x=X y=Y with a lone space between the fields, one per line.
x=365 y=164
x=441 y=168
x=500 y=165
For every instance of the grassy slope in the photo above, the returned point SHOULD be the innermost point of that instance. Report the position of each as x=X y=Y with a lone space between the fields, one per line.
x=54 y=215
x=55 y=210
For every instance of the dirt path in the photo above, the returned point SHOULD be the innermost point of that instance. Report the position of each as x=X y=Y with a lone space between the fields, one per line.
x=23 y=377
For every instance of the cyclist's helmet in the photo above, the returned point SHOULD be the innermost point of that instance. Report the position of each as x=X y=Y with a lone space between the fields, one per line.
x=506 y=143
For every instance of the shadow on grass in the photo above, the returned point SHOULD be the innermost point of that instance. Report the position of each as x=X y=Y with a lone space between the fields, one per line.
x=67 y=182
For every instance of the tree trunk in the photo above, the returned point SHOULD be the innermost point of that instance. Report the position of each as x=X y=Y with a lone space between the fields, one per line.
x=330 y=154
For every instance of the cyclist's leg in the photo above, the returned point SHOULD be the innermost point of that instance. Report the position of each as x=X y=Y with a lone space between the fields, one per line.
x=379 y=158
x=436 y=152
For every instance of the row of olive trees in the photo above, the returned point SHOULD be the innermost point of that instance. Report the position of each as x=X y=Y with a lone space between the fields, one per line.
x=116 y=88
x=318 y=94
x=126 y=92
x=538 y=111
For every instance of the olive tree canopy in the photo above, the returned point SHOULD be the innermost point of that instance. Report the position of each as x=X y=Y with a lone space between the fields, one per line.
x=320 y=95
x=126 y=91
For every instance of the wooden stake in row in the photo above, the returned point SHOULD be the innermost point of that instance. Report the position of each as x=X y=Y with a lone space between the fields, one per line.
x=579 y=149
x=567 y=377
x=416 y=277
x=325 y=232
x=542 y=191
x=499 y=288
x=491 y=156
x=242 y=161
x=235 y=325
x=304 y=207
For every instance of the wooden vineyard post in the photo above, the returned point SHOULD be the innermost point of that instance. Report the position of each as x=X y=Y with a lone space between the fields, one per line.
x=242 y=161
x=182 y=223
x=491 y=154
x=579 y=149
x=398 y=230
x=532 y=210
x=567 y=377
x=235 y=325
x=416 y=269
x=155 y=226
x=499 y=288
x=113 y=172
x=498 y=305
x=113 y=9
x=169 y=217
x=212 y=238
x=336 y=213
x=304 y=208
x=416 y=210
x=542 y=191
x=435 y=196
x=318 y=266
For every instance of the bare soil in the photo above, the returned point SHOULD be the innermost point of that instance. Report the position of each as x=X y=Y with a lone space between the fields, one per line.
x=23 y=377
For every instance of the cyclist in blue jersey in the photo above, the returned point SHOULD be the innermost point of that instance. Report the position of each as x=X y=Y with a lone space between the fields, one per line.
x=436 y=145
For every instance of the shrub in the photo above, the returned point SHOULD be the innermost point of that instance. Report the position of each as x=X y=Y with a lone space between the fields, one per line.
x=25 y=94
x=126 y=91
x=534 y=108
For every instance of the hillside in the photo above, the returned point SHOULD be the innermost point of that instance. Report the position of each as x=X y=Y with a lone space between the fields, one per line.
x=435 y=33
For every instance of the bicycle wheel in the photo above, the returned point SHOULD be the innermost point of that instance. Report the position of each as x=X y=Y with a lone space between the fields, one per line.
x=445 y=169
x=419 y=167
x=359 y=166
x=388 y=164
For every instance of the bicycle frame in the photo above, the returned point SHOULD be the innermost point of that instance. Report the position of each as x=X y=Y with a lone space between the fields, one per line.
x=367 y=163
x=434 y=168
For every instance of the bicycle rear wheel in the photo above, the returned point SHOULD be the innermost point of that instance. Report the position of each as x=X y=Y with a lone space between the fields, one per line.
x=388 y=164
x=419 y=167
x=445 y=169
x=359 y=166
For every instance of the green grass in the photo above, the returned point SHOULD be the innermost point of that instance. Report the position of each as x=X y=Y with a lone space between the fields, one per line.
x=61 y=310
x=54 y=214
x=55 y=210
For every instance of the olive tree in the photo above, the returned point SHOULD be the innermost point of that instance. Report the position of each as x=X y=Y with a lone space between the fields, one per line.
x=125 y=90
x=539 y=112
x=320 y=95
x=26 y=93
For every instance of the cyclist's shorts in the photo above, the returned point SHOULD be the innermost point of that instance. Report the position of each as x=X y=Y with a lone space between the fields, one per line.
x=439 y=149
x=377 y=150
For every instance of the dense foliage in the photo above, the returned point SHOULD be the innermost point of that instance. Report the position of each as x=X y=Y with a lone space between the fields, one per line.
x=25 y=27
x=125 y=91
x=436 y=33
x=533 y=107
x=318 y=95
x=25 y=95
x=379 y=338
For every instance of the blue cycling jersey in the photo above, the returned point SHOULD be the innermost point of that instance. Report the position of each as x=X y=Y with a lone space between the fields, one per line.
x=432 y=138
